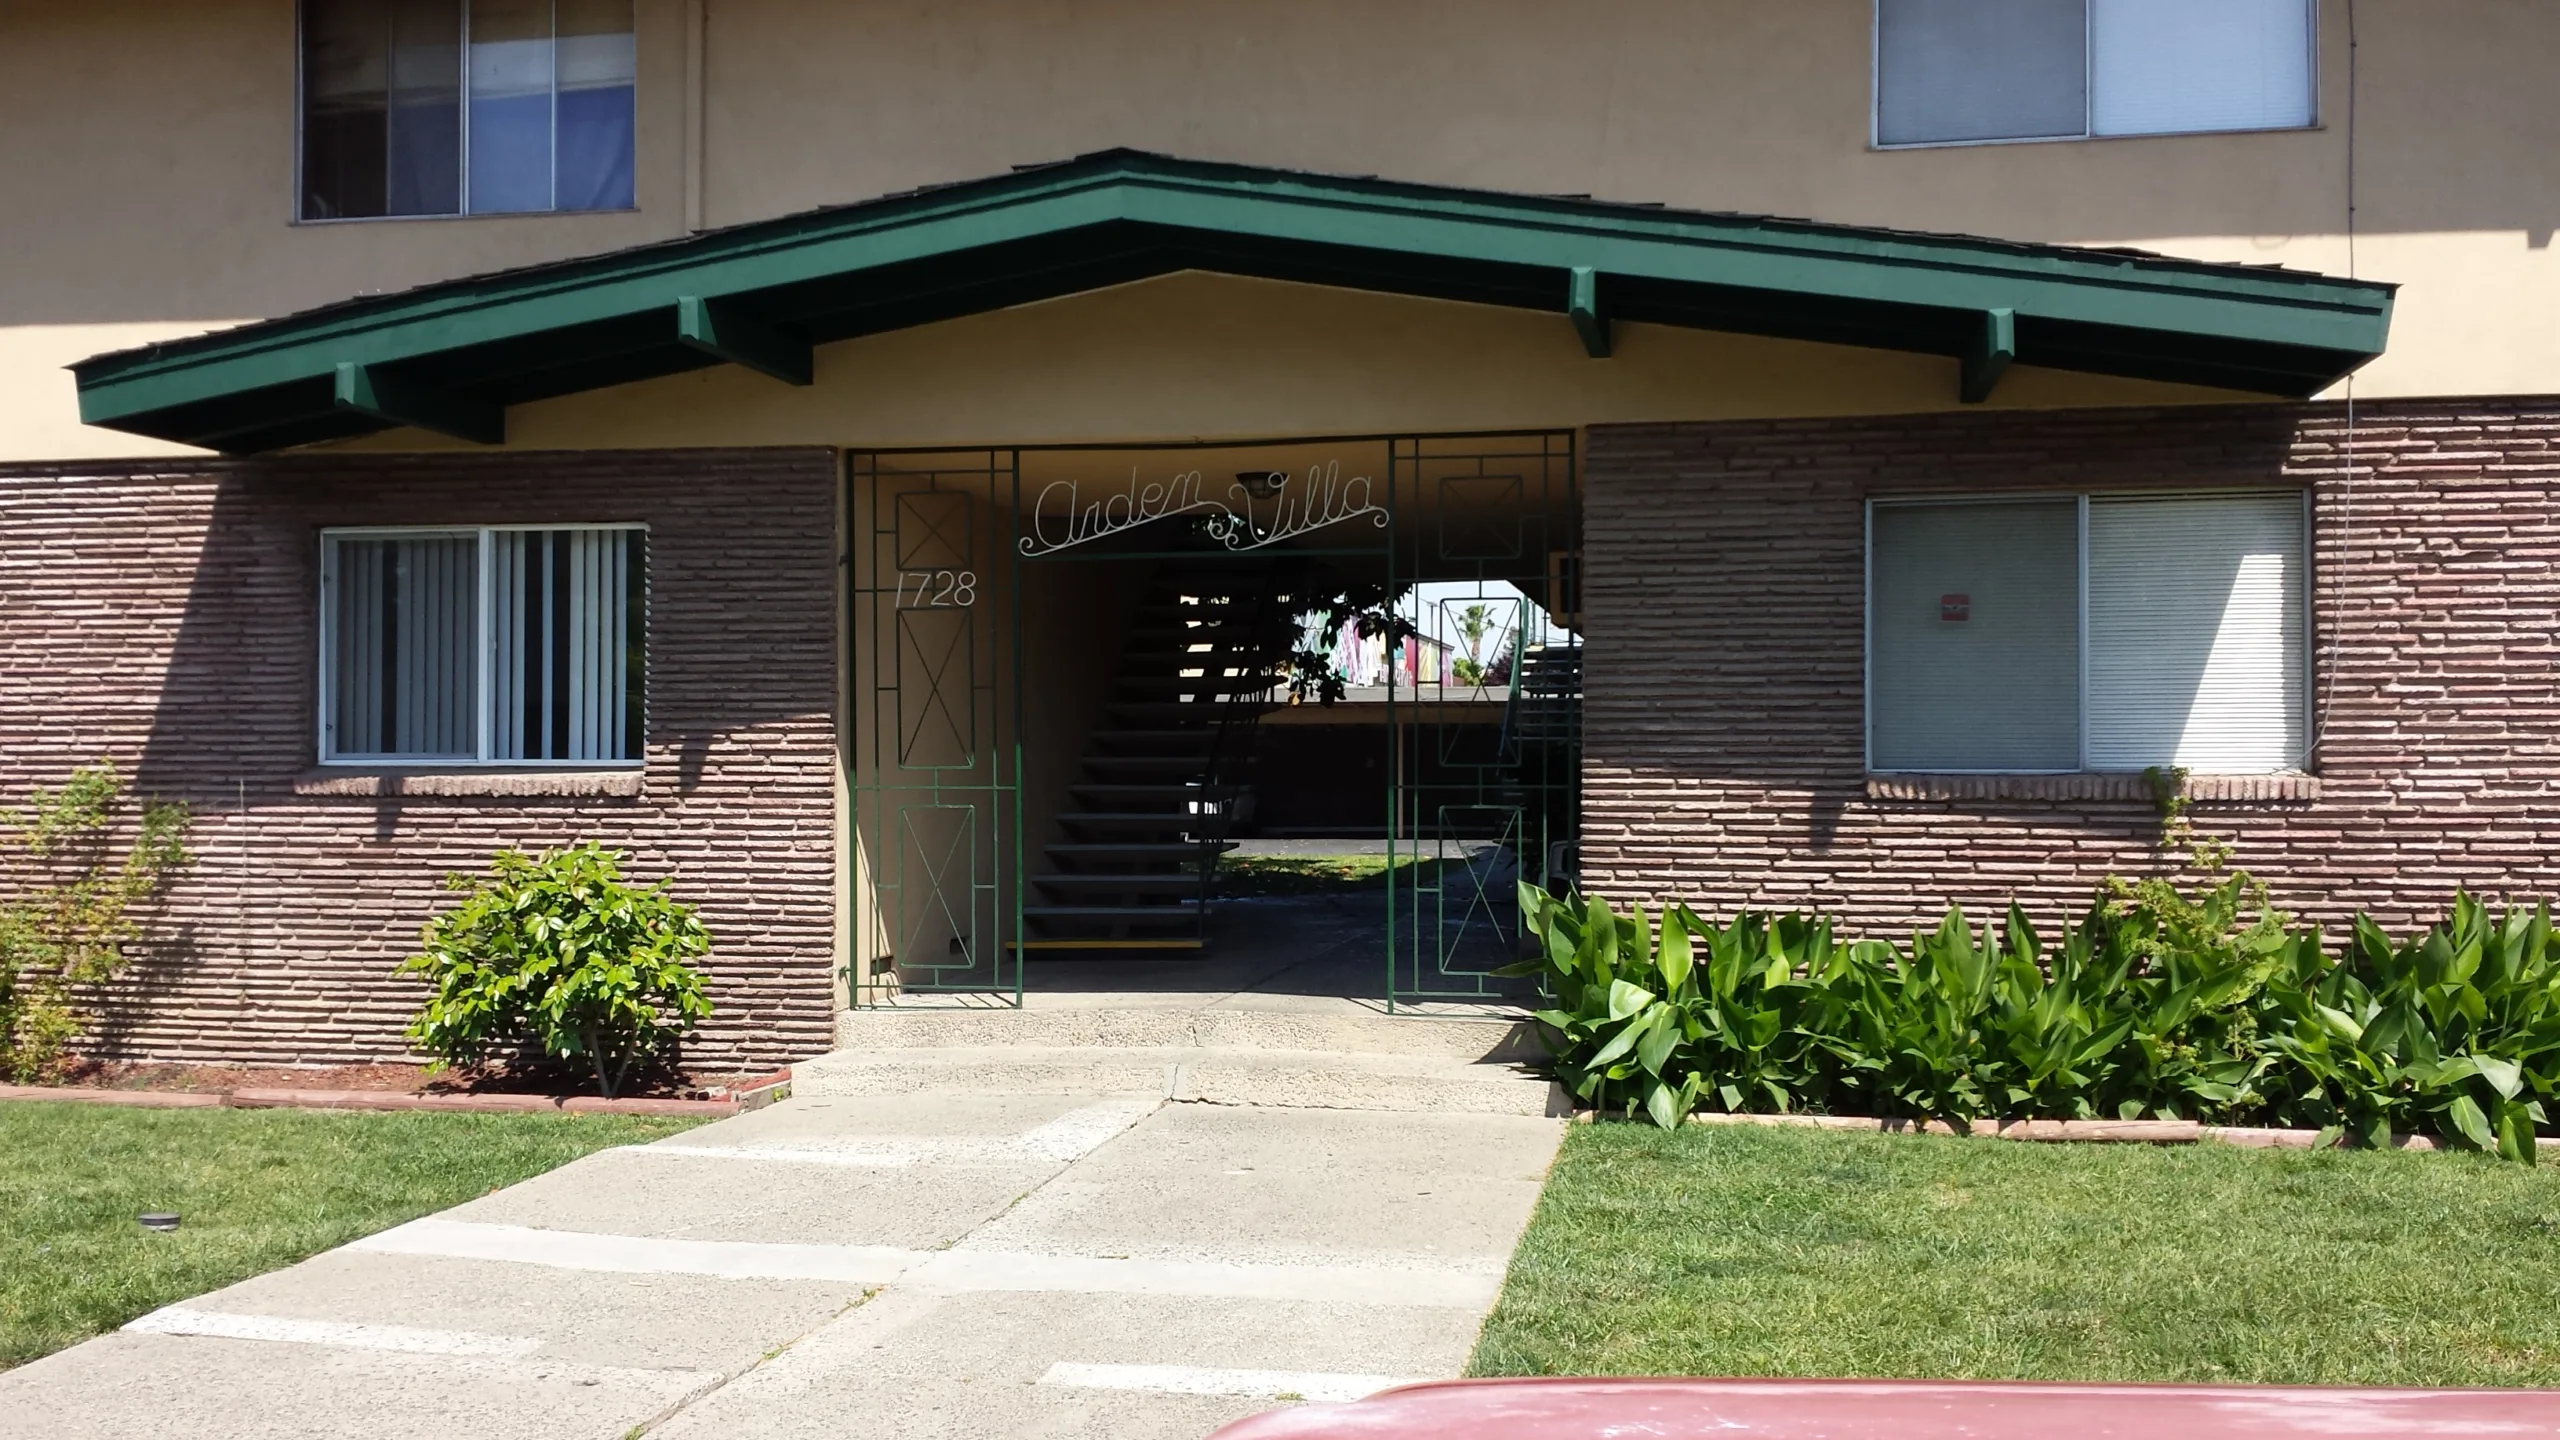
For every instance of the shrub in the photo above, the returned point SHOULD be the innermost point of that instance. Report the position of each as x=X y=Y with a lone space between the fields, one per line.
x=2155 y=1004
x=70 y=909
x=2456 y=1032
x=556 y=952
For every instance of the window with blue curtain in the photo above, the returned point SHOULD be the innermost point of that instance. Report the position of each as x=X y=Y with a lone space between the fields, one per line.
x=466 y=107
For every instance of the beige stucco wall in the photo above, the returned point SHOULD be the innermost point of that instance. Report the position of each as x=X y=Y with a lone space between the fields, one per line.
x=146 y=147
x=146 y=165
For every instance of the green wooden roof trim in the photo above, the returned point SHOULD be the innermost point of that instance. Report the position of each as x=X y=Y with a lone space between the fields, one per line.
x=762 y=294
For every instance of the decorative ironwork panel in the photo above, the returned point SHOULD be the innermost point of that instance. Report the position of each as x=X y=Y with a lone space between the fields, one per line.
x=936 y=763
x=937 y=713
x=1486 y=706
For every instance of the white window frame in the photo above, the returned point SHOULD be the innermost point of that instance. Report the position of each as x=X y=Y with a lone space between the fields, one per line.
x=1867 y=640
x=483 y=680
x=301 y=51
x=2088 y=65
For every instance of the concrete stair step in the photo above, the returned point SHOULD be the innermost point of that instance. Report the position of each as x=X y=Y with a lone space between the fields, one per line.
x=1291 y=1079
x=1347 y=1031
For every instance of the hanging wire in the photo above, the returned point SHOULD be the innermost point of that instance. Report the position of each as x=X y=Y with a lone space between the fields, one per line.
x=2347 y=483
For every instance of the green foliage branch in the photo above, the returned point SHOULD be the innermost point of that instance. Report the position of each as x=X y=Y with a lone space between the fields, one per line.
x=72 y=904
x=2157 y=1003
x=557 y=953
x=1372 y=608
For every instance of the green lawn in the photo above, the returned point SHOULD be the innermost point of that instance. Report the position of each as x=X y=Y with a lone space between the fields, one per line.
x=255 y=1189
x=1315 y=874
x=1714 y=1251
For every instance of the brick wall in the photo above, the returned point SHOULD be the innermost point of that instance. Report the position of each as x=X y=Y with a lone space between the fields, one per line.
x=164 y=614
x=1726 y=618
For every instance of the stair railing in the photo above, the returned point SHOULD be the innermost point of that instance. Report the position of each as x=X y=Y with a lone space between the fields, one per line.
x=1249 y=654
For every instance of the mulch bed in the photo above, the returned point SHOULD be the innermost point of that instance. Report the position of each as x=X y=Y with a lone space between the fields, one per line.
x=393 y=1079
x=395 y=1087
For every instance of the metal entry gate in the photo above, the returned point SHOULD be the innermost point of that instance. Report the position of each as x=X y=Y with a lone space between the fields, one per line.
x=937 y=845
x=1480 y=546
x=1486 y=723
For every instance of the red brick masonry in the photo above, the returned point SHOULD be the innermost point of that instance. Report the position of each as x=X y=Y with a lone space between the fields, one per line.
x=165 y=615
x=1726 y=618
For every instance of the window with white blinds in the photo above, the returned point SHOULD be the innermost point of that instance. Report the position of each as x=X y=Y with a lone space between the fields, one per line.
x=2107 y=633
x=2196 y=633
x=1957 y=71
x=503 y=645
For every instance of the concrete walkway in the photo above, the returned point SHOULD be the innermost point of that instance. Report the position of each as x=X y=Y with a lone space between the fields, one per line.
x=961 y=1262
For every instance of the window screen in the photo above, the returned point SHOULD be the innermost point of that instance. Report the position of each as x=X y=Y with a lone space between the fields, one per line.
x=444 y=107
x=1974 y=660
x=1980 y=70
x=1951 y=71
x=498 y=645
x=2196 y=633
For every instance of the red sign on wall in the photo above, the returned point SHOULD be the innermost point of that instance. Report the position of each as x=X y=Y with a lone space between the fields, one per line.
x=1955 y=607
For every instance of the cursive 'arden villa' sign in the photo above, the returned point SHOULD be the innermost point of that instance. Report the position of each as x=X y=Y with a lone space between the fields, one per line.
x=1264 y=508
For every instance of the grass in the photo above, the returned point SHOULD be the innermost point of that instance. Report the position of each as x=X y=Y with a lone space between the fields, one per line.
x=256 y=1189
x=1315 y=874
x=1713 y=1251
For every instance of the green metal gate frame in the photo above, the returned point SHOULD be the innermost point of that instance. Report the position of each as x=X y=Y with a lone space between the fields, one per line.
x=1466 y=820
x=938 y=787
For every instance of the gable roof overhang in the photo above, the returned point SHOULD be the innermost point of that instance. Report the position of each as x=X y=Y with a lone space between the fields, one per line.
x=451 y=356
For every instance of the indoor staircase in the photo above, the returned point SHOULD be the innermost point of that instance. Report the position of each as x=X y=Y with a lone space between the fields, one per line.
x=1142 y=829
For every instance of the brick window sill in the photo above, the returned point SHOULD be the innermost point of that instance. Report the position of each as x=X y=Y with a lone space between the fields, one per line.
x=473 y=782
x=2290 y=787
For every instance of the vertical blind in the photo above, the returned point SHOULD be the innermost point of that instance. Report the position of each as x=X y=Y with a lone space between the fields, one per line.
x=1974 y=651
x=403 y=652
x=2183 y=644
x=2196 y=633
x=565 y=667
x=562 y=607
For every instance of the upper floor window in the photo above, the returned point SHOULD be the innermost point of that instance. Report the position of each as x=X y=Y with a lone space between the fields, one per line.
x=465 y=107
x=1957 y=71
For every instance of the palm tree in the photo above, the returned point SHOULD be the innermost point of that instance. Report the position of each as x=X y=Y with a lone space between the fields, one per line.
x=1473 y=623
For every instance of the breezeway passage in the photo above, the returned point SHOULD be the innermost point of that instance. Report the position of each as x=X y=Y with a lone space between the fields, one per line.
x=960 y=1263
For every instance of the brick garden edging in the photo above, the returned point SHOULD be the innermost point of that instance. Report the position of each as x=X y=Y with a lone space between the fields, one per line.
x=753 y=1096
x=2070 y=1132
x=143 y=1099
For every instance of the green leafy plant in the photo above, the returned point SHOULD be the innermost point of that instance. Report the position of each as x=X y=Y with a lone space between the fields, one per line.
x=2168 y=787
x=88 y=862
x=556 y=952
x=1474 y=623
x=2456 y=1032
x=1373 y=608
x=2157 y=1003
